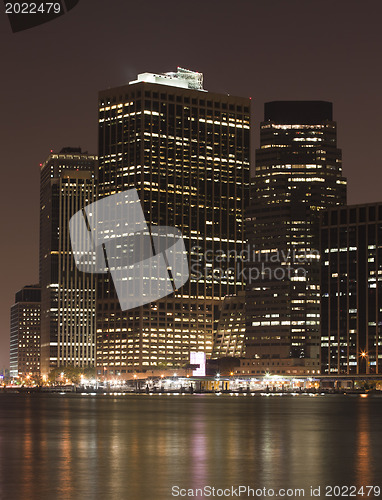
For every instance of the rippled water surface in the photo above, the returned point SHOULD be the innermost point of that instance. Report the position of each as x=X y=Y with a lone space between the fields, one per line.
x=138 y=446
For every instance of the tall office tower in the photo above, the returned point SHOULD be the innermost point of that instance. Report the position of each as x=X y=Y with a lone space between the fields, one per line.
x=298 y=173
x=230 y=333
x=25 y=332
x=67 y=295
x=186 y=151
x=351 y=290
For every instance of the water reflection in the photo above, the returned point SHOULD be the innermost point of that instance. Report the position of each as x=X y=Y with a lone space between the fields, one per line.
x=26 y=469
x=363 y=448
x=199 y=452
x=64 y=476
x=63 y=447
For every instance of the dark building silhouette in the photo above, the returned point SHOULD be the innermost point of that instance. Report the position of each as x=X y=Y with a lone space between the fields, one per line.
x=25 y=332
x=298 y=174
x=351 y=290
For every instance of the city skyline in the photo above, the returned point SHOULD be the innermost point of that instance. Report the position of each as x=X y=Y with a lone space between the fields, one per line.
x=62 y=165
x=350 y=61
x=296 y=135
x=191 y=213
x=298 y=145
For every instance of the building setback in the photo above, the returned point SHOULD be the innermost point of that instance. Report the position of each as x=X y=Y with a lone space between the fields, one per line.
x=351 y=290
x=186 y=151
x=298 y=174
x=67 y=295
x=230 y=332
x=25 y=333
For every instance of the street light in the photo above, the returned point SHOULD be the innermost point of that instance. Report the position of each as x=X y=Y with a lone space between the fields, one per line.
x=364 y=355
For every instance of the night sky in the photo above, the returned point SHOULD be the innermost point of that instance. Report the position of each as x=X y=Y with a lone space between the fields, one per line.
x=265 y=49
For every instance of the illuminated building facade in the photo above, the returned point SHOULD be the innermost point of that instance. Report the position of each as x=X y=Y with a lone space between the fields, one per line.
x=67 y=295
x=230 y=332
x=25 y=333
x=298 y=174
x=186 y=151
x=351 y=290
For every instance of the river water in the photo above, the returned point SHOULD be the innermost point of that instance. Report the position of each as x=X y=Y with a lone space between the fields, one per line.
x=160 y=447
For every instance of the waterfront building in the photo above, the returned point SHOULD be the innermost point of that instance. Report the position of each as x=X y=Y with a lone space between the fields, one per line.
x=351 y=290
x=67 y=295
x=25 y=333
x=186 y=152
x=298 y=174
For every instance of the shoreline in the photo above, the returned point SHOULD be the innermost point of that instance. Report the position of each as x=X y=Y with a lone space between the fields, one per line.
x=102 y=392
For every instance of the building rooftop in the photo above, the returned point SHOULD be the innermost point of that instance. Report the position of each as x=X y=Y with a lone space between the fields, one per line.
x=298 y=112
x=183 y=78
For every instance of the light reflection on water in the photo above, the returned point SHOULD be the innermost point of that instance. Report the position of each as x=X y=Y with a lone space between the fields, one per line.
x=64 y=447
x=363 y=447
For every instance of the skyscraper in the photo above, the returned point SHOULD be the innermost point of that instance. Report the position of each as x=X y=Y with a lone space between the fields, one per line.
x=298 y=173
x=351 y=303
x=186 y=151
x=25 y=332
x=67 y=295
